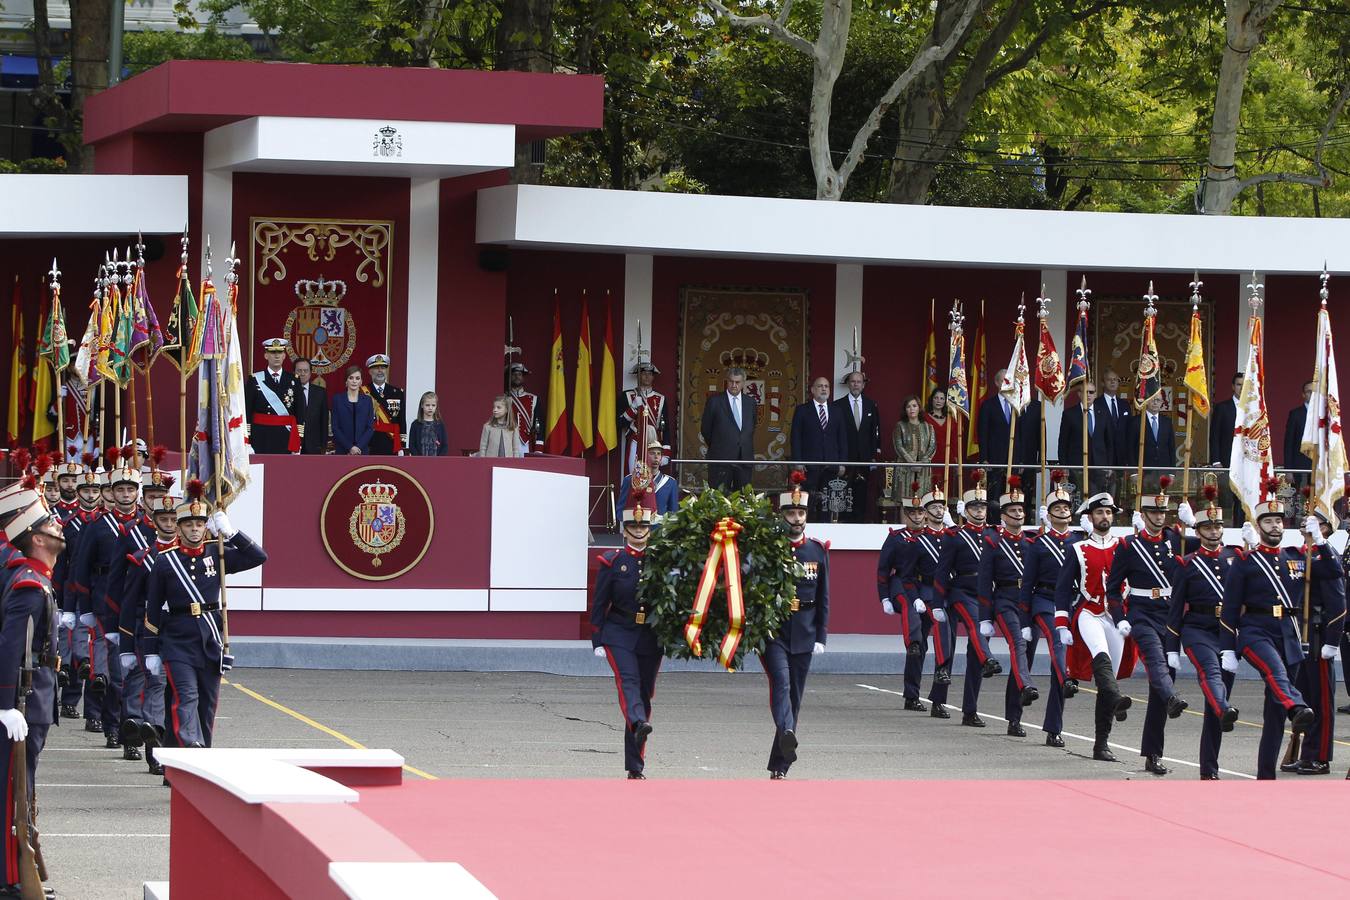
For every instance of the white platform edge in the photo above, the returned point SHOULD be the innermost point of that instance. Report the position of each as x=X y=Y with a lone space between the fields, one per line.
x=389 y=880
x=155 y=890
x=259 y=777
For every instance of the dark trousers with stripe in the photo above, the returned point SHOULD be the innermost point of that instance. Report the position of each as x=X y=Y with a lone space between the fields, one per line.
x=635 y=679
x=964 y=608
x=1281 y=696
x=110 y=711
x=1009 y=620
x=922 y=625
x=192 y=695
x=71 y=643
x=1202 y=649
x=143 y=695
x=1147 y=628
x=33 y=744
x=787 y=682
x=1317 y=681
x=1044 y=627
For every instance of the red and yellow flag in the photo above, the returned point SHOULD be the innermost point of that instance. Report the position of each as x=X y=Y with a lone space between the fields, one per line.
x=930 y=380
x=44 y=392
x=583 y=423
x=1196 y=379
x=979 y=387
x=556 y=420
x=19 y=391
x=607 y=429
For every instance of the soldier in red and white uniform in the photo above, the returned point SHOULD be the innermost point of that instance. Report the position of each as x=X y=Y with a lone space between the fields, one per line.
x=525 y=409
x=630 y=412
x=1084 y=612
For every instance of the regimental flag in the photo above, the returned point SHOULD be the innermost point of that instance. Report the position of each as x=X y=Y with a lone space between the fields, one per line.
x=147 y=338
x=107 y=326
x=181 y=326
x=54 y=345
x=124 y=336
x=1323 y=441
x=1049 y=369
x=958 y=395
x=555 y=425
x=1196 y=379
x=1252 y=462
x=930 y=380
x=19 y=393
x=219 y=446
x=1016 y=384
x=607 y=430
x=1078 y=357
x=44 y=390
x=86 y=358
x=583 y=423
x=979 y=385
x=1150 y=378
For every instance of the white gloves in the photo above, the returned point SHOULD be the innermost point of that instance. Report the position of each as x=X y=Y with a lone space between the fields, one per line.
x=1085 y=523
x=817 y=649
x=1043 y=515
x=1026 y=634
x=68 y=621
x=1174 y=660
x=1065 y=636
x=920 y=607
x=1228 y=660
x=960 y=507
x=1314 y=530
x=888 y=607
x=599 y=651
x=947 y=518
x=1185 y=515
x=128 y=661
x=154 y=665
x=113 y=638
x=219 y=523
x=1123 y=626
x=1328 y=651
x=1137 y=521
x=87 y=620
x=987 y=629
x=1249 y=536
x=939 y=615
x=15 y=724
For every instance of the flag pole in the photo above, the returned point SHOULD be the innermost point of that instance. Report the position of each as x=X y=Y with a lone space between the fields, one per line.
x=183 y=354
x=1083 y=304
x=1012 y=425
x=150 y=359
x=55 y=284
x=1149 y=312
x=222 y=359
x=128 y=282
x=1196 y=285
x=1323 y=425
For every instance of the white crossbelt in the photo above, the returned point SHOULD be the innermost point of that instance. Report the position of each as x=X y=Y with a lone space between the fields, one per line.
x=1154 y=593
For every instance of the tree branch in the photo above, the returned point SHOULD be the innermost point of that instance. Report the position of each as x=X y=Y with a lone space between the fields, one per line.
x=776 y=27
x=1023 y=59
x=920 y=64
x=1323 y=177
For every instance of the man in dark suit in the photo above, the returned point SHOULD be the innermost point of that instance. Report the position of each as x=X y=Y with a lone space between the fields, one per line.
x=1027 y=452
x=1160 y=443
x=728 y=429
x=862 y=439
x=1117 y=412
x=1101 y=444
x=311 y=408
x=1293 y=438
x=1222 y=421
x=993 y=424
x=269 y=398
x=818 y=435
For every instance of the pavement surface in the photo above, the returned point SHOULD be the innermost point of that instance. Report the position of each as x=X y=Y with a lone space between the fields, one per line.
x=105 y=821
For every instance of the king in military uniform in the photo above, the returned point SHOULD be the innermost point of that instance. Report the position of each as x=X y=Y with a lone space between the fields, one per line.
x=390 y=409
x=269 y=401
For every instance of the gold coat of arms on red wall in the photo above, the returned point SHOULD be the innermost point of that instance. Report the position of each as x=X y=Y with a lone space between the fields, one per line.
x=320 y=329
x=377 y=523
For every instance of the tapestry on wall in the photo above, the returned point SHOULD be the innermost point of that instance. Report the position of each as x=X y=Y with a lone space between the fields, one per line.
x=322 y=285
x=762 y=332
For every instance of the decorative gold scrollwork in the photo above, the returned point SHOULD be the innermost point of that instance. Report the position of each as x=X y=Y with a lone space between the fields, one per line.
x=320 y=240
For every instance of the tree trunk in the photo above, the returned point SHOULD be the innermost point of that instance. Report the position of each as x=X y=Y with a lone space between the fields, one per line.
x=44 y=98
x=828 y=62
x=90 y=21
x=524 y=44
x=912 y=169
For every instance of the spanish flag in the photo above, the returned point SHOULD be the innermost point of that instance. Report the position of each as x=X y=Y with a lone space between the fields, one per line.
x=556 y=425
x=44 y=393
x=1195 y=378
x=607 y=431
x=18 y=370
x=583 y=425
x=930 y=381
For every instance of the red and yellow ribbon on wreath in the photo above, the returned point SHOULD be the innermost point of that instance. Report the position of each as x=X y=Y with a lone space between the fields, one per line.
x=722 y=550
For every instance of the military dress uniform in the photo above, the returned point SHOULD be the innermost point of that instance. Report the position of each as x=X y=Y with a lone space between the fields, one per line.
x=529 y=416
x=269 y=404
x=143 y=691
x=390 y=412
x=75 y=636
x=1262 y=599
x=787 y=656
x=630 y=417
x=998 y=586
x=954 y=591
x=930 y=543
x=136 y=540
x=1317 y=679
x=621 y=629
x=897 y=584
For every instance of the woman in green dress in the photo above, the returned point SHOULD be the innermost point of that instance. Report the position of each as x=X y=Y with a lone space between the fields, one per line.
x=915 y=442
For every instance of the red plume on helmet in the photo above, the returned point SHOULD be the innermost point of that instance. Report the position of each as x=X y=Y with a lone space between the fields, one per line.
x=1014 y=482
x=129 y=454
x=21 y=457
x=1058 y=475
x=797 y=476
x=29 y=482
x=195 y=489
x=1210 y=492
x=1164 y=482
x=167 y=480
x=914 y=487
x=113 y=455
x=43 y=464
x=1306 y=491
x=72 y=449
x=157 y=454
x=88 y=458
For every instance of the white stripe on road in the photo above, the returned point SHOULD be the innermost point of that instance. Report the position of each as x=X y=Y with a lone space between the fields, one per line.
x=102 y=834
x=157 y=785
x=1068 y=734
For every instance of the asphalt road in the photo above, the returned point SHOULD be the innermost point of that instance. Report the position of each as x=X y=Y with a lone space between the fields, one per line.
x=105 y=821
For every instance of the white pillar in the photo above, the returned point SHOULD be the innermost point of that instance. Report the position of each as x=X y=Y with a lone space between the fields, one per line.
x=424 y=216
x=217 y=219
x=637 y=307
x=1056 y=283
x=848 y=307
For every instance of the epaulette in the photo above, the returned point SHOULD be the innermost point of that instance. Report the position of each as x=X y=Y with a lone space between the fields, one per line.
x=898 y=530
x=607 y=557
x=16 y=562
x=825 y=544
x=1184 y=560
x=991 y=540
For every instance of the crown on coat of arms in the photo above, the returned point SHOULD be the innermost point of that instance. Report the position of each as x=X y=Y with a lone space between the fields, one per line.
x=379 y=492
x=321 y=292
x=751 y=360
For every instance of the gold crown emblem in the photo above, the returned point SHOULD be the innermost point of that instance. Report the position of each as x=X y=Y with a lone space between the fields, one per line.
x=748 y=358
x=379 y=492
x=321 y=292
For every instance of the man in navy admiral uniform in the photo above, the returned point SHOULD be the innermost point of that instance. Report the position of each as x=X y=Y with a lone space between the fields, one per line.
x=1317 y=679
x=1262 y=594
x=390 y=409
x=998 y=585
x=954 y=583
x=787 y=656
x=662 y=487
x=1193 y=627
x=898 y=590
x=269 y=398
x=622 y=634
x=1042 y=559
x=183 y=640
x=1142 y=572
x=28 y=643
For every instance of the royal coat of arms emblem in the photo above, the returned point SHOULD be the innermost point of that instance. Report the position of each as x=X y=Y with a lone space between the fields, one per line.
x=377 y=525
x=320 y=329
x=387 y=143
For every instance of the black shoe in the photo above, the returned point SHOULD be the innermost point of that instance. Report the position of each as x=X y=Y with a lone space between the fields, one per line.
x=111 y=741
x=1301 y=719
x=82 y=669
x=942 y=675
x=1070 y=688
x=991 y=668
x=914 y=649
x=151 y=735
x=1122 y=708
x=1054 y=740
x=972 y=721
x=1211 y=776
x=1015 y=729
x=166 y=780
x=99 y=684
x=787 y=746
x=1291 y=766
x=939 y=711
x=93 y=727
x=916 y=705
x=63 y=678
x=69 y=712
x=1313 y=767
x=1229 y=718
x=777 y=776
x=1176 y=706
x=1344 y=709
x=195 y=745
x=1102 y=753
x=636 y=776
x=151 y=763
x=130 y=752
x=641 y=730
x=1030 y=695
x=1154 y=764
x=130 y=733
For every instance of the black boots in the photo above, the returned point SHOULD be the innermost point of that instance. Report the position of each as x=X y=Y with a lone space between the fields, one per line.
x=1111 y=704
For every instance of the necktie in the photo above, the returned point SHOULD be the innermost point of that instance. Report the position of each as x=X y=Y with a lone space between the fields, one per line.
x=1111 y=405
x=1007 y=410
x=857 y=412
x=736 y=410
x=820 y=411
x=1092 y=422
x=1153 y=423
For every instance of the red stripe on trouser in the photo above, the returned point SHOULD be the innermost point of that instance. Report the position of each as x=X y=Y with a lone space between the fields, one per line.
x=11 y=843
x=1012 y=651
x=1050 y=646
x=90 y=655
x=1323 y=673
x=939 y=641
x=904 y=621
x=972 y=634
x=1203 y=678
x=173 y=707
x=618 y=683
x=1269 y=677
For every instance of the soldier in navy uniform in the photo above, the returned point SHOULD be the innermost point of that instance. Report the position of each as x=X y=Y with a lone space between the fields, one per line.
x=269 y=402
x=392 y=425
x=954 y=583
x=1193 y=627
x=28 y=641
x=936 y=532
x=1042 y=558
x=1317 y=680
x=1262 y=596
x=75 y=648
x=1142 y=572
x=622 y=634
x=998 y=585
x=787 y=657
x=182 y=640
x=898 y=590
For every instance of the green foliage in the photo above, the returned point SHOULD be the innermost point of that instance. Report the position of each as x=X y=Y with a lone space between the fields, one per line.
x=147 y=49
x=674 y=564
x=38 y=165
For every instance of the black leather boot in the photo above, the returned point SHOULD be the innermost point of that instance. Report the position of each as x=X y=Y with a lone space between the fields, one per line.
x=1108 y=690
